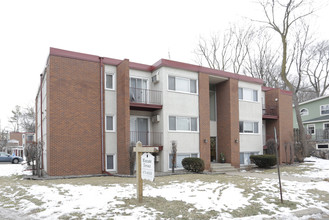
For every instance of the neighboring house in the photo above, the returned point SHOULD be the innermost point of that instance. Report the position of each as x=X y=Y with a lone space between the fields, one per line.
x=20 y=140
x=315 y=117
x=91 y=111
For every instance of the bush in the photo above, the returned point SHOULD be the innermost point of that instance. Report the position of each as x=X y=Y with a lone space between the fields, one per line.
x=263 y=161
x=193 y=164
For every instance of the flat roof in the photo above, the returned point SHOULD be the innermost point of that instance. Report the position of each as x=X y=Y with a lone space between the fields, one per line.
x=155 y=66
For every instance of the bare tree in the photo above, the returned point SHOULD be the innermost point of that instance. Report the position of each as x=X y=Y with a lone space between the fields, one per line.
x=262 y=60
x=281 y=17
x=3 y=139
x=226 y=51
x=33 y=154
x=28 y=119
x=317 y=67
x=15 y=118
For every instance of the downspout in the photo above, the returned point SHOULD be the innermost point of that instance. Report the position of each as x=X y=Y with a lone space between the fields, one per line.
x=41 y=133
x=102 y=116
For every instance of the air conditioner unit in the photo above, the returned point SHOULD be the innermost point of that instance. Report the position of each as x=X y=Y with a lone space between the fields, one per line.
x=156 y=77
x=155 y=118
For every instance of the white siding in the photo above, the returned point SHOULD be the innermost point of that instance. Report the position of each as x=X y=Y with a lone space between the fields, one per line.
x=110 y=104
x=251 y=111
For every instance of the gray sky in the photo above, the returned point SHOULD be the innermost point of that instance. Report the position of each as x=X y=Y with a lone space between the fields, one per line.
x=141 y=31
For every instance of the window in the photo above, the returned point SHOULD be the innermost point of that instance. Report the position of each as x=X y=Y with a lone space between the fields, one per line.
x=248 y=94
x=245 y=157
x=248 y=127
x=325 y=126
x=110 y=162
x=109 y=123
x=109 y=81
x=179 y=159
x=30 y=138
x=212 y=103
x=311 y=129
x=324 y=109
x=324 y=146
x=182 y=84
x=183 y=123
x=303 y=111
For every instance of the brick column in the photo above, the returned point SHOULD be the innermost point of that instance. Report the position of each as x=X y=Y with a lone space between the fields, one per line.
x=204 y=119
x=123 y=117
x=228 y=121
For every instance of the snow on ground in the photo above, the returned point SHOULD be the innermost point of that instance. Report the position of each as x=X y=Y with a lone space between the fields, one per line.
x=108 y=200
x=8 y=169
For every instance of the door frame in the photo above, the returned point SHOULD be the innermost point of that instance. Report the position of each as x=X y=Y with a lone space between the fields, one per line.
x=135 y=117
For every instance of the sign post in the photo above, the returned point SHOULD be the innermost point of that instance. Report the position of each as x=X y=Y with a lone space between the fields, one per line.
x=139 y=149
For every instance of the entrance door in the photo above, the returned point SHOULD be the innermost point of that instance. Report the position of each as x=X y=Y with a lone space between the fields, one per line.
x=213 y=150
x=139 y=130
x=138 y=90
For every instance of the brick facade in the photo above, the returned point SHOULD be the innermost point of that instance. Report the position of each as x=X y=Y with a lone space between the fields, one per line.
x=281 y=101
x=204 y=116
x=73 y=117
x=123 y=117
x=228 y=121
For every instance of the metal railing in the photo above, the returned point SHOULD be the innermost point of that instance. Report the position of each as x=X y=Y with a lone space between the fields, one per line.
x=318 y=135
x=145 y=96
x=270 y=110
x=147 y=138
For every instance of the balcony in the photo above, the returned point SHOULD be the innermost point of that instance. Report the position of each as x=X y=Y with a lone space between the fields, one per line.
x=145 y=99
x=148 y=139
x=270 y=112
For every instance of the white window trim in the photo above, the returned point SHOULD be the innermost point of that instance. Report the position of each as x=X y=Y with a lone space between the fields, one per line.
x=324 y=127
x=113 y=81
x=309 y=125
x=177 y=154
x=114 y=162
x=253 y=133
x=322 y=148
x=179 y=77
x=307 y=112
x=114 y=123
x=321 y=111
x=243 y=88
x=184 y=131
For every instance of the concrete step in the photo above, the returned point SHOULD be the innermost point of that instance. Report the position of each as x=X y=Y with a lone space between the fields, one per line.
x=222 y=168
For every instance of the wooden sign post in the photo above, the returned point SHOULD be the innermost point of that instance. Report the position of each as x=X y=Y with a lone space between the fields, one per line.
x=139 y=149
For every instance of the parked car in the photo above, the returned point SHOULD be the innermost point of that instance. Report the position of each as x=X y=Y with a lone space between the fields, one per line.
x=4 y=157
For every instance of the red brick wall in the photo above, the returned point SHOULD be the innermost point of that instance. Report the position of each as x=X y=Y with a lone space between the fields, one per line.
x=228 y=121
x=123 y=117
x=16 y=136
x=204 y=119
x=74 y=120
x=284 y=124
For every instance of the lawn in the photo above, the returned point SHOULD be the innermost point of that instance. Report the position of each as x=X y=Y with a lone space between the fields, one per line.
x=189 y=196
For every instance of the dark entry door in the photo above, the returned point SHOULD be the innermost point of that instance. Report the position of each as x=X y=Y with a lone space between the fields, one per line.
x=213 y=149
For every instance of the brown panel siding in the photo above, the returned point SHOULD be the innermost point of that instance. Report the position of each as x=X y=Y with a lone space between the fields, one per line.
x=204 y=119
x=123 y=117
x=74 y=120
x=228 y=121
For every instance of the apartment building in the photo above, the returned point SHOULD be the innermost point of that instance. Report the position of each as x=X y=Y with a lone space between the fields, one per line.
x=91 y=111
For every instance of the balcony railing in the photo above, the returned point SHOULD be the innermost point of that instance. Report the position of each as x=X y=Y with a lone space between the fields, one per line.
x=270 y=112
x=147 y=138
x=145 y=96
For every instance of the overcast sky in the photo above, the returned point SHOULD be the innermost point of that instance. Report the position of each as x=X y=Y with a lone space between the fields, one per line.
x=141 y=31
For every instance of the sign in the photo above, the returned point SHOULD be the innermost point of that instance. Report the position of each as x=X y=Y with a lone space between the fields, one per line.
x=147 y=166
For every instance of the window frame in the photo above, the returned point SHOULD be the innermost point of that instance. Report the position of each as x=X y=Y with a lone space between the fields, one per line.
x=324 y=125
x=241 y=95
x=189 y=123
x=253 y=127
x=113 y=121
x=321 y=109
x=113 y=81
x=309 y=125
x=306 y=112
x=114 y=161
x=317 y=146
x=189 y=85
